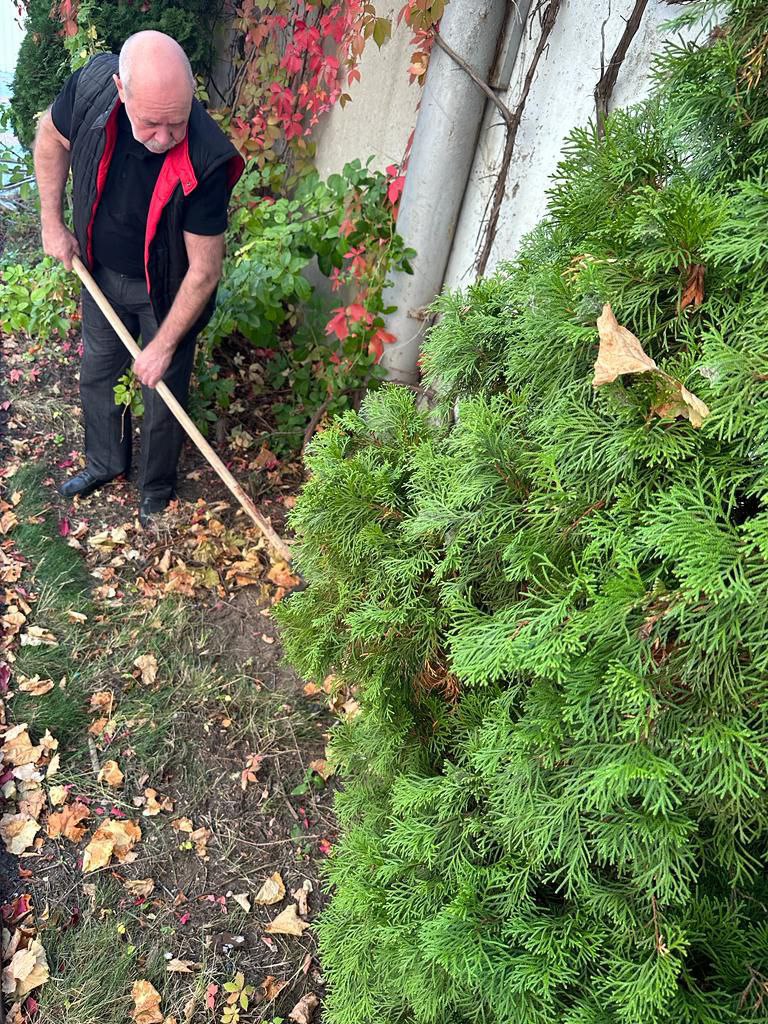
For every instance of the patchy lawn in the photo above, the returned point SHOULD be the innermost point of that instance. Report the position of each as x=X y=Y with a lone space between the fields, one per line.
x=167 y=794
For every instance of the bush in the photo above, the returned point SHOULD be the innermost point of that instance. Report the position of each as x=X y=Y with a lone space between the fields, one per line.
x=43 y=63
x=555 y=611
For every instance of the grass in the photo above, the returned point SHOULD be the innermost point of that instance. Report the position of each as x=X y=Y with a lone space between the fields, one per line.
x=185 y=734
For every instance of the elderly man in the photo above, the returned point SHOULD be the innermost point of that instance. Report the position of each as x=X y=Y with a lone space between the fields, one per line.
x=151 y=179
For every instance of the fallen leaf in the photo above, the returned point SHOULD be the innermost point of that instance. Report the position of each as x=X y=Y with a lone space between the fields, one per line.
x=153 y=806
x=68 y=822
x=200 y=838
x=323 y=768
x=36 y=636
x=28 y=969
x=102 y=701
x=242 y=900
x=147 y=665
x=272 y=891
x=17 y=748
x=112 y=837
x=304 y=1010
x=146 y=1000
x=210 y=996
x=57 y=795
x=140 y=886
x=181 y=966
x=183 y=825
x=281 y=576
x=74 y=616
x=620 y=351
x=18 y=832
x=287 y=923
x=272 y=987
x=301 y=896
x=111 y=774
x=35 y=685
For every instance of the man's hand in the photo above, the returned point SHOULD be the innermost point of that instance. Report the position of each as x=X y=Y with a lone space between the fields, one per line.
x=60 y=243
x=154 y=360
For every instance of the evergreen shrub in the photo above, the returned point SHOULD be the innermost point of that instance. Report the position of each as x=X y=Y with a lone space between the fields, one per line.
x=555 y=610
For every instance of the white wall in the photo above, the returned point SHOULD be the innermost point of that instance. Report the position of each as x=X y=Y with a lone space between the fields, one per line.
x=561 y=97
x=384 y=108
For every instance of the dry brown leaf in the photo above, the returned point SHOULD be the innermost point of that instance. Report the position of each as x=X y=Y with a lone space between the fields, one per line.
x=17 y=748
x=147 y=665
x=272 y=987
x=111 y=774
x=18 y=832
x=200 y=838
x=112 y=837
x=301 y=896
x=620 y=351
x=304 y=1010
x=68 y=822
x=323 y=768
x=103 y=700
x=98 y=727
x=183 y=825
x=271 y=892
x=693 y=293
x=35 y=685
x=36 y=636
x=281 y=576
x=287 y=923
x=76 y=616
x=31 y=798
x=140 y=886
x=181 y=966
x=146 y=1000
x=27 y=970
x=153 y=806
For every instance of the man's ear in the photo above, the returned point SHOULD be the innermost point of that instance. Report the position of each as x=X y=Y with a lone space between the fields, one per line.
x=120 y=89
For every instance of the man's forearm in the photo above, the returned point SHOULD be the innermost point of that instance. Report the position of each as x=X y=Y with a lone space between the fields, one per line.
x=196 y=288
x=51 y=171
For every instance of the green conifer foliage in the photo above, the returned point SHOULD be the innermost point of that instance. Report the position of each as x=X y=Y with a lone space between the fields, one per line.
x=555 y=603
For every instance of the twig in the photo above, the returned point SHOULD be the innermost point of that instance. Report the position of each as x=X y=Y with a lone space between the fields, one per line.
x=605 y=86
x=504 y=110
x=547 y=24
x=94 y=756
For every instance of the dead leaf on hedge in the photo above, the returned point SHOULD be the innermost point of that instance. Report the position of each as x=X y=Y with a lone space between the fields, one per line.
x=113 y=837
x=35 y=686
x=18 y=832
x=146 y=1000
x=272 y=891
x=693 y=293
x=620 y=351
x=110 y=774
x=68 y=822
x=27 y=970
x=287 y=923
x=147 y=665
x=304 y=1010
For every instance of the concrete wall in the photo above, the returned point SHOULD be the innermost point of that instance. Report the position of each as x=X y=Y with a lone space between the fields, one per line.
x=383 y=113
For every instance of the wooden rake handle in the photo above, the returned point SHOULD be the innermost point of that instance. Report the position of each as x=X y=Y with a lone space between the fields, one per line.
x=276 y=543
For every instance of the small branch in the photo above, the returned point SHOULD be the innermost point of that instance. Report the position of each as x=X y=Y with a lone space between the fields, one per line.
x=547 y=24
x=505 y=112
x=605 y=86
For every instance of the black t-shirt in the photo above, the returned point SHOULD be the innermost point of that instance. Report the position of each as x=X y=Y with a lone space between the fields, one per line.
x=121 y=217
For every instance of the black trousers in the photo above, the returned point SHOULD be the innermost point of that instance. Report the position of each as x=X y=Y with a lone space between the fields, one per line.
x=108 y=431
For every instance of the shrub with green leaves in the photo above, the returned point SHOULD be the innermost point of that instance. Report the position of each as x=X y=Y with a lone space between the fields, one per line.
x=554 y=605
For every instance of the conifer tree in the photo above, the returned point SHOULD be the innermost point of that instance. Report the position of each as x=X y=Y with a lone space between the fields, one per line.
x=554 y=604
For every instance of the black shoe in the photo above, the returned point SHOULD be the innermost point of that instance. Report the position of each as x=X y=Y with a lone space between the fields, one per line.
x=151 y=506
x=82 y=485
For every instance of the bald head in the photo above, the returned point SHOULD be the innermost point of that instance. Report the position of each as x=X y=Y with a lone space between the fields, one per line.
x=156 y=85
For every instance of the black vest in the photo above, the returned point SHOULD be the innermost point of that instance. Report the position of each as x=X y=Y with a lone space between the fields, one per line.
x=92 y=142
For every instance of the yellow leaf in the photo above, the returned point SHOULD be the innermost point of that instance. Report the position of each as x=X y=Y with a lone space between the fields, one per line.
x=57 y=795
x=287 y=923
x=18 y=832
x=68 y=822
x=242 y=900
x=272 y=891
x=112 y=837
x=146 y=1000
x=111 y=774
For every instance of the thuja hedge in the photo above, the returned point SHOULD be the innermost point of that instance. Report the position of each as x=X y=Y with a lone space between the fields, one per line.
x=554 y=603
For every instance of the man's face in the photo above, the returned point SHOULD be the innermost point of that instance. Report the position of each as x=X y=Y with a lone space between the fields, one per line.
x=158 y=117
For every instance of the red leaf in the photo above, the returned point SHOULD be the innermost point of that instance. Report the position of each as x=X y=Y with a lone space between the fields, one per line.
x=64 y=527
x=338 y=324
x=210 y=994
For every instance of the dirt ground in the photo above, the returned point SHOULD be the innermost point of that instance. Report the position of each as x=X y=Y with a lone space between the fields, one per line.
x=228 y=739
